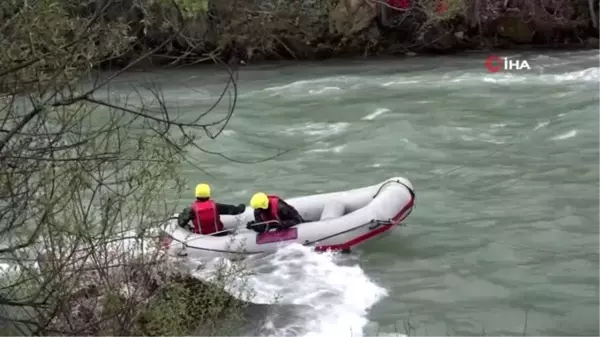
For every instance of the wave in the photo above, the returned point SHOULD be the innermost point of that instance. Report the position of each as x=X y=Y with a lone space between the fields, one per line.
x=333 y=297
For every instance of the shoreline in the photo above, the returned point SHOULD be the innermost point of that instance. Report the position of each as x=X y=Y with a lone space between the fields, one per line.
x=149 y=65
x=254 y=33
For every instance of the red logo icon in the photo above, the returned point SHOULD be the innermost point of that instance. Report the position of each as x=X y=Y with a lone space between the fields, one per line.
x=493 y=64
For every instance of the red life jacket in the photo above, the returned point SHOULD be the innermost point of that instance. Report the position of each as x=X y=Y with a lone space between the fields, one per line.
x=273 y=213
x=206 y=219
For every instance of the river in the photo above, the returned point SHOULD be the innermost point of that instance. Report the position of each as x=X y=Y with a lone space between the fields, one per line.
x=504 y=237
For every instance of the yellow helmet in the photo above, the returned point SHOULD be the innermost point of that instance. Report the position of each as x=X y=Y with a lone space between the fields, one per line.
x=259 y=200
x=202 y=191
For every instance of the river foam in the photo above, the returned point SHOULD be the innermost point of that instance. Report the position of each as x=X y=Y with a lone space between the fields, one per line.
x=333 y=297
x=543 y=71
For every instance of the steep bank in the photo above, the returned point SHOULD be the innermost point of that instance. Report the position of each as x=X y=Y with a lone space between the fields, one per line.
x=316 y=29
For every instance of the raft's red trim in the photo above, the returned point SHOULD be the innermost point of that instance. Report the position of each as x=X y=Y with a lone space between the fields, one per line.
x=368 y=235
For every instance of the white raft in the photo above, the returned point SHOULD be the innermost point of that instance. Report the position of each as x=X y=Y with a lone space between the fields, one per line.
x=335 y=221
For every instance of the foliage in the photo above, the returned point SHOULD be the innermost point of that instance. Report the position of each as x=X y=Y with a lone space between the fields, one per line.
x=193 y=7
x=83 y=179
x=444 y=9
x=267 y=28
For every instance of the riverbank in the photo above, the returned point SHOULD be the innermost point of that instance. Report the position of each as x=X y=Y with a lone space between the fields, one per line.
x=258 y=31
x=150 y=297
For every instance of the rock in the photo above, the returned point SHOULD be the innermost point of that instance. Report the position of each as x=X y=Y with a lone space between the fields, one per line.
x=592 y=42
x=352 y=16
x=436 y=37
x=150 y=298
x=459 y=35
x=515 y=29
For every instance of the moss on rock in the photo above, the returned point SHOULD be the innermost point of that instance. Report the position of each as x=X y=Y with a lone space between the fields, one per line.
x=154 y=299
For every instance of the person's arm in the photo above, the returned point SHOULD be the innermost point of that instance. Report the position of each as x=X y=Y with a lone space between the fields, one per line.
x=230 y=209
x=185 y=217
x=289 y=213
x=253 y=224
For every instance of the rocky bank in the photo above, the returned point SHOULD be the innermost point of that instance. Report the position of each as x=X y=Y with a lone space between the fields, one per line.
x=150 y=297
x=316 y=29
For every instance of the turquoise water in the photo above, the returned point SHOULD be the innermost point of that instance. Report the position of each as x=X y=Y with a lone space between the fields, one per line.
x=505 y=165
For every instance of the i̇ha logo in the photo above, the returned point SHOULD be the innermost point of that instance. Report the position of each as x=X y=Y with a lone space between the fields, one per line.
x=495 y=63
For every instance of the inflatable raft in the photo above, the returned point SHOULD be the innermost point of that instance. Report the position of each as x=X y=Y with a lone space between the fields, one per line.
x=334 y=221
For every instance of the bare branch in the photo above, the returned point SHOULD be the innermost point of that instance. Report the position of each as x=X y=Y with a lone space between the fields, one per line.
x=85 y=174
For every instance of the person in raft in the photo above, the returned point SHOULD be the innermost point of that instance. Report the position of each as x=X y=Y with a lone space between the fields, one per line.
x=272 y=208
x=205 y=213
